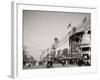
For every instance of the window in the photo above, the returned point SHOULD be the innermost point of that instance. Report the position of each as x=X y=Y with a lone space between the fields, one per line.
x=85 y=49
x=89 y=32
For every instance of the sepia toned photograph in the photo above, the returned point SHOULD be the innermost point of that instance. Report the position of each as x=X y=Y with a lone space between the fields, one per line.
x=54 y=39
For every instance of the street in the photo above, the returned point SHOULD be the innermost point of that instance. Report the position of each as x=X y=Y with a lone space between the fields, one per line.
x=45 y=66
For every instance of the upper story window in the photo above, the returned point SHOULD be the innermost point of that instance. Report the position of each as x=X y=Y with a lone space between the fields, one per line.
x=85 y=48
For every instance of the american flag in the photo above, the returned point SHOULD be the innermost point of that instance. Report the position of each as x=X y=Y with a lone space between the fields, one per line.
x=69 y=25
x=84 y=20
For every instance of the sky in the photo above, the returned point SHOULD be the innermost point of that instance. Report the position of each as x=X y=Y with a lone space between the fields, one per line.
x=41 y=27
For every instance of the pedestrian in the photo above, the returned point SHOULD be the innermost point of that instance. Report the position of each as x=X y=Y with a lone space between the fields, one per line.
x=48 y=61
x=79 y=62
x=63 y=62
x=51 y=62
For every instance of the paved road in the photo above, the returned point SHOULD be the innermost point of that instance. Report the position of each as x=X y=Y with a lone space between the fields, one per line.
x=45 y=66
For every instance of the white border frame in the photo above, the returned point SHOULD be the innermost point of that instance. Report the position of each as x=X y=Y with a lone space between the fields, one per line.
x=17 y=23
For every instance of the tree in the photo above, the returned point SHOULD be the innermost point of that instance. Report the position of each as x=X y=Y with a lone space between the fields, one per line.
x=58 y=53
x=65 y=52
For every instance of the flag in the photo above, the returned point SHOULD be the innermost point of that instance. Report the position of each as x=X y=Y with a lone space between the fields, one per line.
x=84 y=20
x=69 y=25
